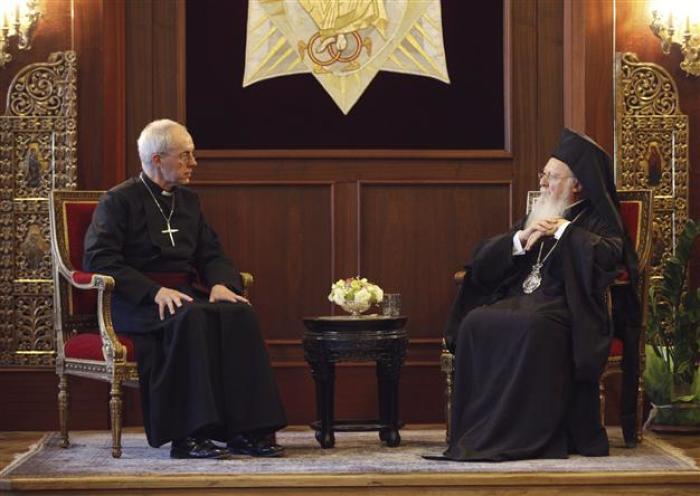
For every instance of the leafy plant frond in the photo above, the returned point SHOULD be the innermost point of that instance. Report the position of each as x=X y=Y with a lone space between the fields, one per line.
x=673 y=323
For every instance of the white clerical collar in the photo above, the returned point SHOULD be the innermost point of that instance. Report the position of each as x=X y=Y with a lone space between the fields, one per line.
x=155 y=185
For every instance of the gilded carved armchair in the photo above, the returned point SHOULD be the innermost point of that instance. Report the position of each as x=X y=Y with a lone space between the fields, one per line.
x=636 y=213
x=86 y=341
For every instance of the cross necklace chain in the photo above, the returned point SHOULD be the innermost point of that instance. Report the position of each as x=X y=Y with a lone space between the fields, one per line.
x=168 y=230
x=534 y=279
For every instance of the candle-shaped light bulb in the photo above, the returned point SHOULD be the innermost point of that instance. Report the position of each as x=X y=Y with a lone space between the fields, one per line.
x=18 y=23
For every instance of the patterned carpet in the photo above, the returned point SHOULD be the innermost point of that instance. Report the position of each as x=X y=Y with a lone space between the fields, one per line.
x=355 y=453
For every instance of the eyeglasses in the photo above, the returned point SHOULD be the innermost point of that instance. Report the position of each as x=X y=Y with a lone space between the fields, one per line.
x=186 y=156
x=551 y=177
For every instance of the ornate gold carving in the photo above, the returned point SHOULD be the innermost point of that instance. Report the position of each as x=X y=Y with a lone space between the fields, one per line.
x=38 y=143
x=46 y=89
x=34 y=324
x=652 y=148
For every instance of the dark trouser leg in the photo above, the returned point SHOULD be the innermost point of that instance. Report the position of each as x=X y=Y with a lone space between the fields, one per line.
x=585 y=430
x=251 y=400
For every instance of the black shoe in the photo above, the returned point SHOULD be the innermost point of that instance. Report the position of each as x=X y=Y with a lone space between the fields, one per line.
x=197 y=448
x=259 y=446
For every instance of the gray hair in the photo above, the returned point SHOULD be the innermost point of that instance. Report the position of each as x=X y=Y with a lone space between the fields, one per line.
x=156 y=138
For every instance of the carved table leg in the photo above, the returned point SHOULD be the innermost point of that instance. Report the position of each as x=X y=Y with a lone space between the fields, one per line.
x=388 y=390
x=324 y=377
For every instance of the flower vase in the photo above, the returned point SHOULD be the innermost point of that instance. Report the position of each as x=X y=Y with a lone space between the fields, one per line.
x=355 y=309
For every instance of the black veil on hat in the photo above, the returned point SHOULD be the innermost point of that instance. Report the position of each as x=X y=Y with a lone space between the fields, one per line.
x=593 y=168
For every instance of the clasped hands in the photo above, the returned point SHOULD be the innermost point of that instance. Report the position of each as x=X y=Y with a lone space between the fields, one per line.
x=543 y=227
x=173 y=299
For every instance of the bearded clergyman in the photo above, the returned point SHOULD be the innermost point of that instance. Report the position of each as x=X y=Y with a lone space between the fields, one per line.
x=530 y=328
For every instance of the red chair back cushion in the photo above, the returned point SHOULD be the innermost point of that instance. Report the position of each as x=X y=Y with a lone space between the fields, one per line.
x=77 y=216
x=631 y=213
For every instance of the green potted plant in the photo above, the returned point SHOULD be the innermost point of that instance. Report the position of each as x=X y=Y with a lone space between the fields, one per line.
x=673 y=334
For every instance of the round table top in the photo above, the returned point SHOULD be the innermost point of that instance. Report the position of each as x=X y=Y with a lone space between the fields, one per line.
x=350 y=323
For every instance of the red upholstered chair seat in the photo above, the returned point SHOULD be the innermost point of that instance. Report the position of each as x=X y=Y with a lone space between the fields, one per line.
x=88 y=346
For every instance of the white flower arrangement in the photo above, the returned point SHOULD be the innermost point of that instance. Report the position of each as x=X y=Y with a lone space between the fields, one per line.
x=355 y=295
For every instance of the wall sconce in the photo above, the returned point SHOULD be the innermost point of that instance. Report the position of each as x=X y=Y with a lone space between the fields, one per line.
x=678 y=22
x=19 y=19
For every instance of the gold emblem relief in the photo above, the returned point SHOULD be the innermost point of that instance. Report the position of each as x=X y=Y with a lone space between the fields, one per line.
x=652 y=147
x=38 y=143
x=344 y=44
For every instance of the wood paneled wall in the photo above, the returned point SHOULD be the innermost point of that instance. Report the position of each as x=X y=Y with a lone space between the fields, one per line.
x=299 y=220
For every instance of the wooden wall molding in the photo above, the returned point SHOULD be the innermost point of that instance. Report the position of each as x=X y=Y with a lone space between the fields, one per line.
x=358 y=154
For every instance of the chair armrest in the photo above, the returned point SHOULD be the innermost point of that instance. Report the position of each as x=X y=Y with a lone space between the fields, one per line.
x=248 y=280
x=89 y=280
x=112 y=349
x=460 y=275
x=446 y=359
x=622 y=279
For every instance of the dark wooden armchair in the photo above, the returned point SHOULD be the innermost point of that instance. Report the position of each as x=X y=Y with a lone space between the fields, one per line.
x=86 y=341
x=636 y=213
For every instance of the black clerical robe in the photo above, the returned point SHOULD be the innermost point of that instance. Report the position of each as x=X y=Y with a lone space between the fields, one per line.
x=527 y=365
x=204 y=370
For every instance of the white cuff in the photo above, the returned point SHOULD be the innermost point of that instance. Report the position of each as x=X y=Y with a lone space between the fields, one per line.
x=517 y=245
x=560 y=230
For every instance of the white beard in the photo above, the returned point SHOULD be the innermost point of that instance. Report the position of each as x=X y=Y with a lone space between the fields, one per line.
x=547 y=207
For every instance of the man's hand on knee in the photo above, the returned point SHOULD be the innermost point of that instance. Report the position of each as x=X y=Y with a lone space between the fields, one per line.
x=171 y=298
x=219 y=292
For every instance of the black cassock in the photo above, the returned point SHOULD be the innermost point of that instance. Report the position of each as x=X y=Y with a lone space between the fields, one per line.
x=527 y=365
x=204 y=370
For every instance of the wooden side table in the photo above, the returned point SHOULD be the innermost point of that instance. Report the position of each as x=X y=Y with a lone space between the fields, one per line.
x=332 y=339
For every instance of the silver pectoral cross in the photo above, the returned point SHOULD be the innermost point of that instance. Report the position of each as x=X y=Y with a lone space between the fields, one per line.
x=169 y=231
x=533 y=280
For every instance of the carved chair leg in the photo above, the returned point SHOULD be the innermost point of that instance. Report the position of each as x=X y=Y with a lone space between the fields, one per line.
x=63 y=400
x=449 y=378
x=115 y=406
x=447 y=367
x=640 y=409
x=601 y=395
